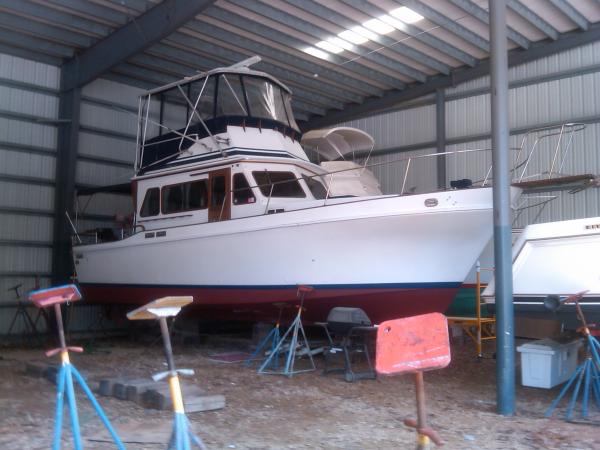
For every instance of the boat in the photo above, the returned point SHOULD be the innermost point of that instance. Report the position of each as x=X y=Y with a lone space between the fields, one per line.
x=555 y=258
x=230 y=210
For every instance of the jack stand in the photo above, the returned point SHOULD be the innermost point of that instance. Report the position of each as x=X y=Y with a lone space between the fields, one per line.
x=29 y=326
x=412 y=345
x=55 y=297
x=182 y=436
x=295 y=329
x=425 y=434
x=588 y=372
x=274 y=337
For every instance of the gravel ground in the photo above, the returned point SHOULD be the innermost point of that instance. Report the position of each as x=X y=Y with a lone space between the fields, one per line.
x=308 y=411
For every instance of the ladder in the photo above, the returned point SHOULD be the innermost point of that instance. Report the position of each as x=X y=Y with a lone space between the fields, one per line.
x=478 y=328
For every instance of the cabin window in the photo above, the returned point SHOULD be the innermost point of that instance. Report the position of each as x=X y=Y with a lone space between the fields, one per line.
x=231 y=100
x=184 y=197
x=283 y=184
x=316 y=187
x=242 y=193
x=151 y=204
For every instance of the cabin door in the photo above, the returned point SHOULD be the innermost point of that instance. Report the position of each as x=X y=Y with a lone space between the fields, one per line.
x=219 y=192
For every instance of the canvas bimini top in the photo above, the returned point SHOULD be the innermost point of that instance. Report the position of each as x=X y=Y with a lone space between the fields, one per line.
x=175 y=116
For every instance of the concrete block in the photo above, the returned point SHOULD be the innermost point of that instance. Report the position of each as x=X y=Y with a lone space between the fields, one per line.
x=120 y=387
x=106 y=385
x=135 y=391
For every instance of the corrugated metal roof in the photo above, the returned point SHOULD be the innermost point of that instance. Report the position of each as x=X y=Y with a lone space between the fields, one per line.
x=452 y=34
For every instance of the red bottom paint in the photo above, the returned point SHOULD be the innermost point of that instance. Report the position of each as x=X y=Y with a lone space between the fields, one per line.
x=264 y=304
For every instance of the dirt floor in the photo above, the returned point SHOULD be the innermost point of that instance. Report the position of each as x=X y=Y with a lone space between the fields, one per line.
x=308 y=411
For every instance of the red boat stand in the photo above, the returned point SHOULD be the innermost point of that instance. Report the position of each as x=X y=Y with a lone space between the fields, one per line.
x=414 y=345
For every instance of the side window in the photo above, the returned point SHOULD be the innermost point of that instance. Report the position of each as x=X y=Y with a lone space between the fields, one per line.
x=316 y=187
x=184 y=197
x=242 y=193
x=197 y=194
x=151 y=204
x=283 y=184
x=172 y=197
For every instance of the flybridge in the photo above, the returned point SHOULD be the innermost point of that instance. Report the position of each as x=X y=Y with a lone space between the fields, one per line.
x=195 y=111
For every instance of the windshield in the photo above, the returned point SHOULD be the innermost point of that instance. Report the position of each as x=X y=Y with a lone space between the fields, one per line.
x=169 y=114
x=265 y=100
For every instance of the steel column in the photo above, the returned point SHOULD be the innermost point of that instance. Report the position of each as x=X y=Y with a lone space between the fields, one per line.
x=505 y=364
x=440 y=130
x=64 y=191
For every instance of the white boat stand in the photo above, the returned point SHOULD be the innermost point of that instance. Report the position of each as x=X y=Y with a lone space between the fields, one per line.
x=182 y=436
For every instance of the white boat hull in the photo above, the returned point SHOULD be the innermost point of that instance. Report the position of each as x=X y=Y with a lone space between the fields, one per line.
x=383 y=253
x=556 y=258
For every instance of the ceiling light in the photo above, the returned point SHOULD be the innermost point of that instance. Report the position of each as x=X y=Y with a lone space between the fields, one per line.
x=328 y=46
x=398 y=24
x=316 y=52
x=378 y=26
x=406 y=15
x=365 y=33
x=341 y=43
x=353 y=37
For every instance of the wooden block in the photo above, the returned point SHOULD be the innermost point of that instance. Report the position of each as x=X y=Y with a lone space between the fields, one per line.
x=203 y=403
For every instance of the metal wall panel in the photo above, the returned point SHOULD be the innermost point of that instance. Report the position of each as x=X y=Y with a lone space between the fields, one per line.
x=106 y=205
x=93 y=144
x=110 y=109
x=19 y=69
x=97 y=174
x=405 y=127
x=28 y=196
x=17 y=227
x=19 y=163
x=553 y=101
x=575 y=58
x=27 y=133
x=25 y=259
x=113 y=92
x=110 y=119
x=390 y=170
x=27 y=102
x=468 y=116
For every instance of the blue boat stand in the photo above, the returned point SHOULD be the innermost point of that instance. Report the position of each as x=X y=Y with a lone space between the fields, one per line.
x=65 y=387
x=587 y=373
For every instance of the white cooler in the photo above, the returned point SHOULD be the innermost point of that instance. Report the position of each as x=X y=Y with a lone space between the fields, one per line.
x=546 y=363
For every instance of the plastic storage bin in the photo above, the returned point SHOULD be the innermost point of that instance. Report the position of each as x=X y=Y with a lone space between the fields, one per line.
x=546 y=363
